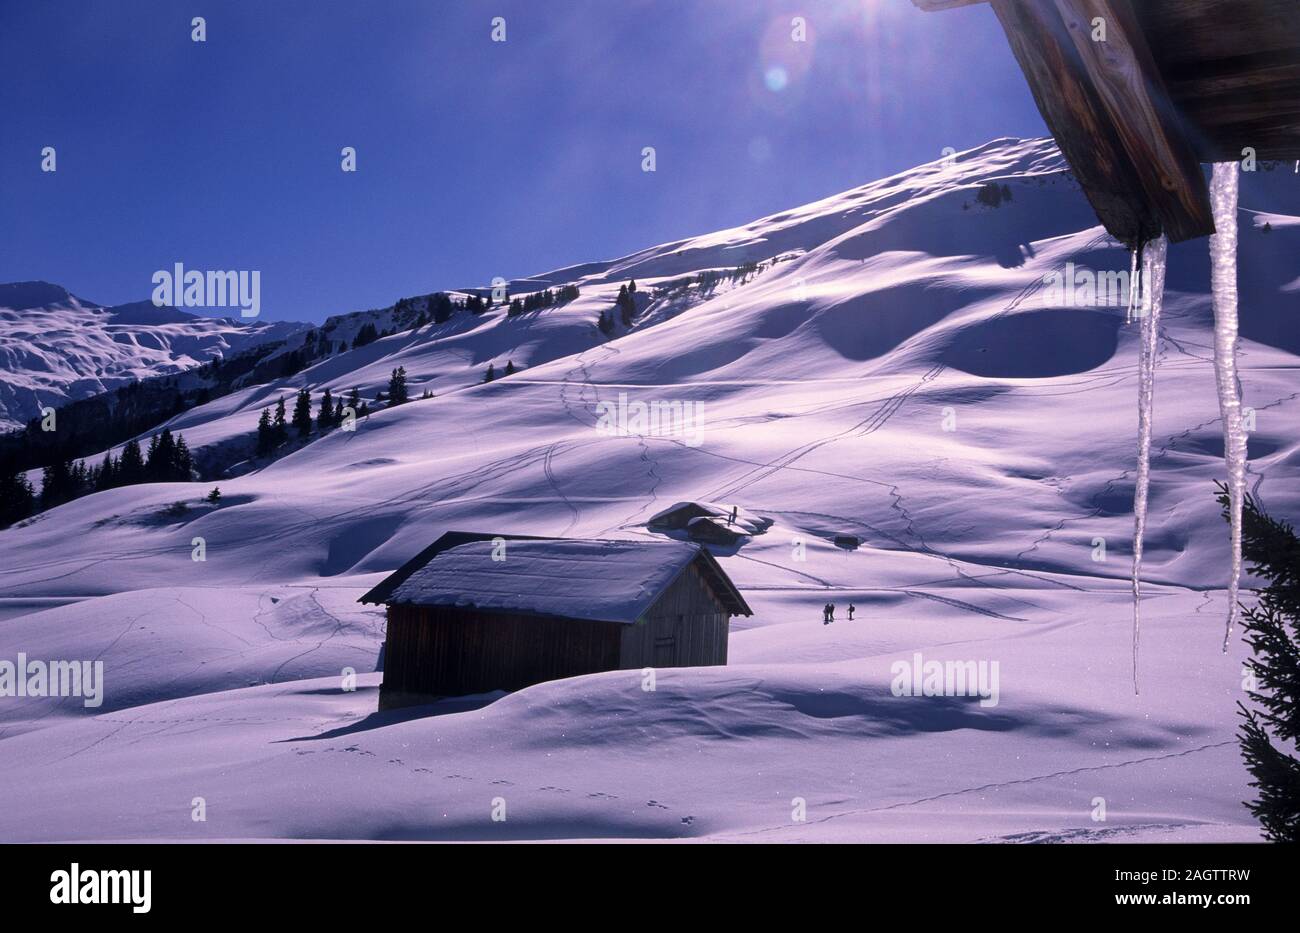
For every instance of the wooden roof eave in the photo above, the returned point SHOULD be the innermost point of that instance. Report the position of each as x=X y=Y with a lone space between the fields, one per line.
x=1231 y=69
x=722 y=583
x=1107 y=106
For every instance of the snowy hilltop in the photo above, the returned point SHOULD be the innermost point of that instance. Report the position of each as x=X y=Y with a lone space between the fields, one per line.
x=925 y=388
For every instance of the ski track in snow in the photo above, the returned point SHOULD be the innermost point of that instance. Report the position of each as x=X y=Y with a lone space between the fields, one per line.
x=574 y=512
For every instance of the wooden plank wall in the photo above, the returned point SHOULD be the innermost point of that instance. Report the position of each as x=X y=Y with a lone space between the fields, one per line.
x=690 y=615
x=451 y=652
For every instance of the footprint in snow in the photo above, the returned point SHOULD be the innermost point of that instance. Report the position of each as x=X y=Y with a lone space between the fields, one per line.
x=656 y=804
x=359 y=750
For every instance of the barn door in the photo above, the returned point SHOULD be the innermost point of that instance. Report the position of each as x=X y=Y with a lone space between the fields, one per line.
x=666 y=644
x=666 y=651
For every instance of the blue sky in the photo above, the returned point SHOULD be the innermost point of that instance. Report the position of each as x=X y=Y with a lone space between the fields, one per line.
x=474 y=158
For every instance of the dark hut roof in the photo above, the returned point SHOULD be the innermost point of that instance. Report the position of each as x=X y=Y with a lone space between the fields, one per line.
x=595 y=580
x=1174 y=84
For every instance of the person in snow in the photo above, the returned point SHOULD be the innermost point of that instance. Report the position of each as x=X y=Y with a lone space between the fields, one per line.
x=732 y=520
x=826 y=614
x=830 y=612
x=851 y=608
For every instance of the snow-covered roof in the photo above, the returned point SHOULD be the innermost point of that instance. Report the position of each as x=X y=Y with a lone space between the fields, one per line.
x=596 y=580
x=709 y=508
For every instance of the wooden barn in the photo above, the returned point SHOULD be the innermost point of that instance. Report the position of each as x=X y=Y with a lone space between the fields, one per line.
x=474 y=613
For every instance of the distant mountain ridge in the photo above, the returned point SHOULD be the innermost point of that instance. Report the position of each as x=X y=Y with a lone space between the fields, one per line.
x=56 y=347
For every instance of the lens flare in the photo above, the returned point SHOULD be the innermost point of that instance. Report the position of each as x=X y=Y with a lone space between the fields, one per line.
x=776 y=78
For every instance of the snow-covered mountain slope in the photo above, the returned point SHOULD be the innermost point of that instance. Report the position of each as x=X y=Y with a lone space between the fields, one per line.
x=56 y=348
x=895 y=371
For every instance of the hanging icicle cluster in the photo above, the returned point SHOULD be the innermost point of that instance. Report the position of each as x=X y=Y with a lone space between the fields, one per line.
x=1223 y=286
x=1146 y=298
x=1146 y=308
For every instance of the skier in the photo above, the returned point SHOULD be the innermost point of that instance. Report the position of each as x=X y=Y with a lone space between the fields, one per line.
x=851 y=608
x=826 y=614
x=830 y=609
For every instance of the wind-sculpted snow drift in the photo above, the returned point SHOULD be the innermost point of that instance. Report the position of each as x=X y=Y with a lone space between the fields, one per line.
x=895 y=371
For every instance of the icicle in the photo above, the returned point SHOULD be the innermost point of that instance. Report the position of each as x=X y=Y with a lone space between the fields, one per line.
x=1153 y=294
x=1133 y=290
x=1223 y=283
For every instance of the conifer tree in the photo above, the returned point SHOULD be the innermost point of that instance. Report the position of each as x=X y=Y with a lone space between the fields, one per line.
x=491 y=373
x=161 y=464
x=397 y=393
x=627 y=303
x=106 y=477
x=441 y=307
x=302 y=413
x=50 y=485
x=325 y=415
x=280 y=430
x=80 y=480
x=265 y=433
x=130 y=467
x=17 y=500
x=184 y=463
x=56 y=483
x=1272 y=628
x=366 y=335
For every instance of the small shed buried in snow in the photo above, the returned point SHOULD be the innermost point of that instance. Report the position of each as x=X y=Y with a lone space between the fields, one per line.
x=478 y=612
x=710 y=522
